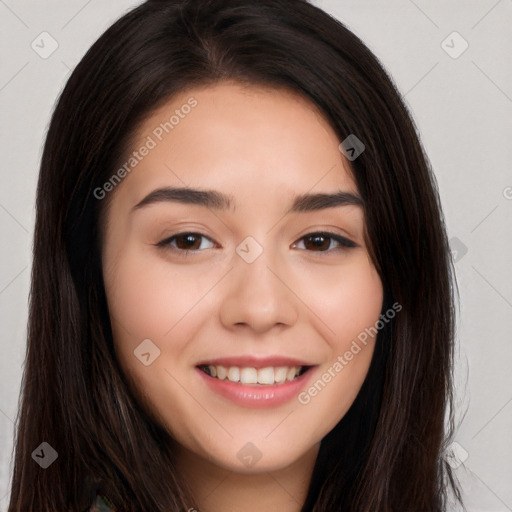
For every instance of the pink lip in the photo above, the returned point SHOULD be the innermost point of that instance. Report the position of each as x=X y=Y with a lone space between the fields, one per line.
x=255 y=362
x=257 y=396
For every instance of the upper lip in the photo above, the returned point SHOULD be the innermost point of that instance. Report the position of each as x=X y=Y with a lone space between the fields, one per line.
x=254 y=362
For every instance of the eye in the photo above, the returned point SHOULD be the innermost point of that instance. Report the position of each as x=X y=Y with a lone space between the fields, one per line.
x=185 y=242
x=317 y=240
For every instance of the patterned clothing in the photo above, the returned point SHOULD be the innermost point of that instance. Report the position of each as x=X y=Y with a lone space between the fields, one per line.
x=101 y=504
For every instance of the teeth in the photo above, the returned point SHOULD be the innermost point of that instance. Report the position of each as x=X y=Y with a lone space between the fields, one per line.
x=220 y=371
x=266 y=375
x=234 y=374
x=291 y=374
x=280 y=374
x=247 y=375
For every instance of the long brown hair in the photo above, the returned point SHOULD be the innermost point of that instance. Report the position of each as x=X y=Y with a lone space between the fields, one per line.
x=386 y=454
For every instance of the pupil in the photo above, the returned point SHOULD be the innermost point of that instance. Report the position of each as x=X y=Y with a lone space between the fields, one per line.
x=188 y=240
x=318 y=240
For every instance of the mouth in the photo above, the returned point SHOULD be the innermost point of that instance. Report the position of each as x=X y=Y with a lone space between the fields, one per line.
x=256 y=382
x=252 y=376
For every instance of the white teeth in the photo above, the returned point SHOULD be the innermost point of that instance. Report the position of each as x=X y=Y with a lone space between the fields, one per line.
x=247 y=375
x=266 y=375
x=291 y=373
x=221 y=372
x=280 y=374
x=234 y=374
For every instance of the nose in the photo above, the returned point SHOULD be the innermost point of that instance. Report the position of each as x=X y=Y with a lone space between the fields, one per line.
x=258 y=295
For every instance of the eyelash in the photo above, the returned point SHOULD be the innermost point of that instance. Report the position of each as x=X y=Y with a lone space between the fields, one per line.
x=345 y=243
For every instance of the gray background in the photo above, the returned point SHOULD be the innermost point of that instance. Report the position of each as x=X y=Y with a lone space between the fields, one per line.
x=462 y=105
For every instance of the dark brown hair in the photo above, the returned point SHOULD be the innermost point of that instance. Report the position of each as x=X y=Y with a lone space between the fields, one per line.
x=386 y=454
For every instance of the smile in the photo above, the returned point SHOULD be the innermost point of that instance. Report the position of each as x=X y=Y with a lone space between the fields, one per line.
x=258 y=386
x=268 y=376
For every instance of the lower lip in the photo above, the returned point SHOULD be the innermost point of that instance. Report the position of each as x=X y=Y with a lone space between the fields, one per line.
x=257 y=396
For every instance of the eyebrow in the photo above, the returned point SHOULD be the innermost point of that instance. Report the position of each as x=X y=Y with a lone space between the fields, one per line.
x=219 y=201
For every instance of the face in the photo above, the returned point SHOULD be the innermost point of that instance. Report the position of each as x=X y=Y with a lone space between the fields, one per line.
x=207 y=290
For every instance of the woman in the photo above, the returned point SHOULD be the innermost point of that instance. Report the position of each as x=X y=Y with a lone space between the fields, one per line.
x=302 y=359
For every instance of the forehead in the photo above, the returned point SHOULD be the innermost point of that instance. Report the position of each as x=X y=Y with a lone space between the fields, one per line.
x=242 y=139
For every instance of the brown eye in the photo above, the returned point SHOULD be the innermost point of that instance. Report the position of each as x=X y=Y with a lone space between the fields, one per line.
x=321 y=242
x=184 y=242
x=187 y=241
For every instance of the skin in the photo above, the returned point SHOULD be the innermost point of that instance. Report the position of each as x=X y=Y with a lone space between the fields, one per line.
x=262 y=146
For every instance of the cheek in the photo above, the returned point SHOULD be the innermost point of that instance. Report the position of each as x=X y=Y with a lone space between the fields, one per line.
x=147 y=296
x=347 y=299
x=358 y=303
x=146 y=299
x=354 y=313
x=350 y=306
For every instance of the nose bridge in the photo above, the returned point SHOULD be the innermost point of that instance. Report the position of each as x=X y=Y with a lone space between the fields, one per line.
x=253 y=263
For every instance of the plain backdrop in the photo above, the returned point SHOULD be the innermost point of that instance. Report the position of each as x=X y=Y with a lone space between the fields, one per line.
x=451 y=61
